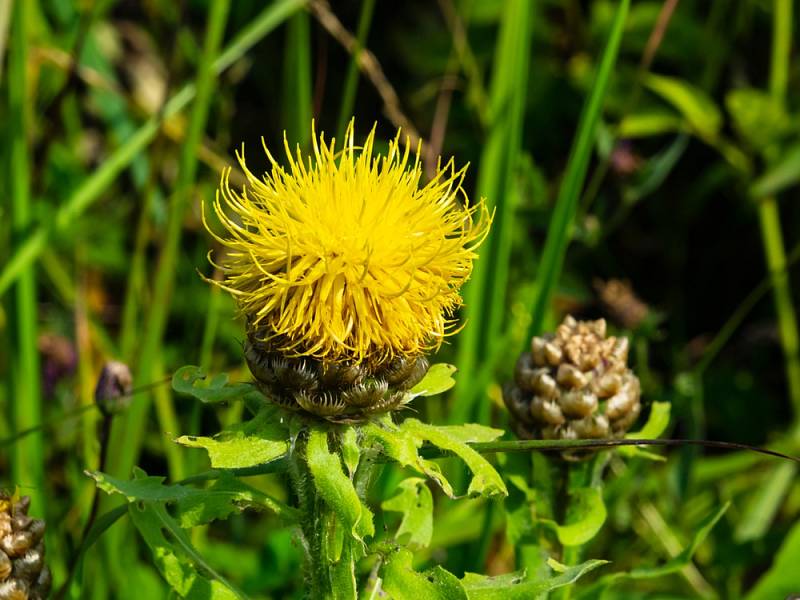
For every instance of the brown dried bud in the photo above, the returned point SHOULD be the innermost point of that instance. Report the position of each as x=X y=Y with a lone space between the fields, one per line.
x=588 y=393
x=113 y=391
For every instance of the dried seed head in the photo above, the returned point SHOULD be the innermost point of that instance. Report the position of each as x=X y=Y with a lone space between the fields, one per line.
x=113 y=391
x=21 y=551
x=574 y=384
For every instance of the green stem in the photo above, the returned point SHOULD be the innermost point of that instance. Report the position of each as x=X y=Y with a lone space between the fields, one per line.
x=351 y=79
x=28 y=456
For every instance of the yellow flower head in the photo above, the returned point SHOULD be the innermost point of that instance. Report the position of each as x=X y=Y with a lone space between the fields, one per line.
x=344 y=256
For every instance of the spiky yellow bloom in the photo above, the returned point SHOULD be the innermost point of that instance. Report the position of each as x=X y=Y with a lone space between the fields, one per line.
x=344 y=256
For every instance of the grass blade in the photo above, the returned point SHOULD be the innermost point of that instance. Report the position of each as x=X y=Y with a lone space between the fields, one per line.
x=559 y=232
x=351 y=79
x=484 y=295
x=297 y=80
x=26 y=402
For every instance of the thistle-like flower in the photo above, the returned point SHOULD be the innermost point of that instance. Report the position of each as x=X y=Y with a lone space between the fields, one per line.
x=347 y=269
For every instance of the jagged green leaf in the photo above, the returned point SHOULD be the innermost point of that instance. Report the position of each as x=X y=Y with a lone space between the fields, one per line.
x=401 y=446
x=335 y=486
x=179 y=563
x=260 y=440
x=193 y=506
x=402 y=582
x=437 y=380
x=415 y=502
x=485 y=480
x=193 y=381
x=516 y=586
x=589 y=516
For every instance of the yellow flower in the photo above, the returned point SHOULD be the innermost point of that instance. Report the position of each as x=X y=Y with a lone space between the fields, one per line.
x=344 y=256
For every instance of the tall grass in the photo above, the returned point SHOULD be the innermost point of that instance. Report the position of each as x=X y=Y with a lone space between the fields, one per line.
x=26 y=407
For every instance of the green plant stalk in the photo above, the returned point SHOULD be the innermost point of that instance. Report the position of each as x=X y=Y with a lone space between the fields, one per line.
x=26 y=406
x=575 y=476
x=769 y=216
x=561 y=223
x=772 y=239
x=484 y=295
x=296 y=87
x=94 y=186
x=129 y=430
x=351 y=78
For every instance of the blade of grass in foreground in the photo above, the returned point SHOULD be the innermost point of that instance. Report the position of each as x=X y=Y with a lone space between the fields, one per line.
x=93 y=186
x=484 y=294
x=351 y=79
x=297 y=80
x=26 y=409
x=560 y=229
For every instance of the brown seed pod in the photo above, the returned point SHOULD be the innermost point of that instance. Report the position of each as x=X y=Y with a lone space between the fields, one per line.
x=574 y=384
x=23 y=575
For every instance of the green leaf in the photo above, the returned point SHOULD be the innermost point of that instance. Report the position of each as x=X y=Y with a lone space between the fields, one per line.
x=175 y=558
x=415 y=502
x=673 y=565
x=194 y=506
x=763 y=506
x=335 y=487
x=759 y=118
x=656 y=425
x=783 y=174
x=472 y=433
x=193 y=381
x=515 y=586
x=699 y=110
x=485 y=481
x=589 y=516
x=437 y=380
x=400 y=445
x=227 y=496
x=173 y=553
x=258 y=441
x=781 y=580
x=351 y=451
x=648 y=124
x=402 y=582
x=343 y=574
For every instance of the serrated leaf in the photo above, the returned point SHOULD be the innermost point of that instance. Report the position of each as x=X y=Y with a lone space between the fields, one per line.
x=402 y=446
x=227 y=496
x=590 y=514
x=175 y=557
x=335 y=486
x=437 y=380
x=193 y=381
x=415 y=502
x=256 y=442
x=699 y=110
x=402 y=582
x=516 y=586
x=194 y=506
x=237 y=450
x=485 y=480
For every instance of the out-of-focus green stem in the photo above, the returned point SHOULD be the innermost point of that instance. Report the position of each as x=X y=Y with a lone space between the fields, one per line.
x=26 y=402
x=769 y=215
x=351 y=79
x=129 y=431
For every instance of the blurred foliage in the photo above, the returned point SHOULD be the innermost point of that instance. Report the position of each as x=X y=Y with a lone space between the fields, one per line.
x=692 y=137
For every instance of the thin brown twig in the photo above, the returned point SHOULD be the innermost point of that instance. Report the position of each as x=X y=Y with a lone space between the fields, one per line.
x=367 y=64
